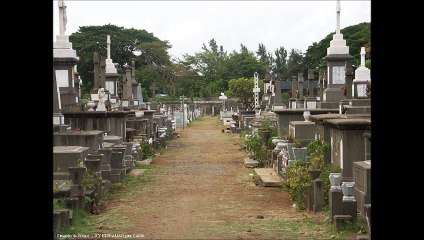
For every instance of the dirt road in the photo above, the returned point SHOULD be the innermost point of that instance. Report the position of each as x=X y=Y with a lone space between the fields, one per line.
x=201 y=190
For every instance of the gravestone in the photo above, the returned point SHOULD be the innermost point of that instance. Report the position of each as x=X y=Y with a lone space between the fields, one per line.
x=311 y=100
x=64 y=60
x=362 y=77
x=294 y=92
x=337 y=55
x=68 y=156
x=111 y=74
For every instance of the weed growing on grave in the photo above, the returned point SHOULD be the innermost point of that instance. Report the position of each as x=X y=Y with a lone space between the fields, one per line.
x=297 y=183
x=60 y=204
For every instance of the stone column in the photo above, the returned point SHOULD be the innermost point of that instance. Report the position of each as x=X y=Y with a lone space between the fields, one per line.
x=277 y=99
x=321 y=83
x=127 y=84
x=58 y=117
x=96 y=63
x=102 y=71
x=293 y=92
x=349 y=79
x=310 y=83
x=300 y=84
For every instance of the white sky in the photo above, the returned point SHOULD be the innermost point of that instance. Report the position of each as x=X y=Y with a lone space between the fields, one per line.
x=189 y=24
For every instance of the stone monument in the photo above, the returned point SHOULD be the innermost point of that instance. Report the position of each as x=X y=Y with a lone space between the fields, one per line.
x=111 y=75
x=311 y=100
x=362 y=77
x=64 y=59
x=337 y=55
x=294 y=92
x=256 y=90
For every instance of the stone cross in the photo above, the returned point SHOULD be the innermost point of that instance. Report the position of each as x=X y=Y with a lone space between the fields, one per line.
x=310 y=83
x=300 y=84
x=294 y=87
x=362 y=56
x=153 y=88
x=338 y=9
x=62 y=17
x=96 y=63
x=349 y=78
x=108 y=46
x=321 y=82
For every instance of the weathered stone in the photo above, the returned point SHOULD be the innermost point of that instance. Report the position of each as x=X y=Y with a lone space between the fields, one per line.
x=340 y=221
x=318 y=195
x=335 y=203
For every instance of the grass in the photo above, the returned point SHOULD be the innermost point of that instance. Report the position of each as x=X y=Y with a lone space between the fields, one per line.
x=119 y=196
x=286 y=228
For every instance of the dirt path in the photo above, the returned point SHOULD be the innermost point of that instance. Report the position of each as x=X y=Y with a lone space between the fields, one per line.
x=202 y=190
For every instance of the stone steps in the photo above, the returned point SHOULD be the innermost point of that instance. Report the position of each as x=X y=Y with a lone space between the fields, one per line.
x=269 y=177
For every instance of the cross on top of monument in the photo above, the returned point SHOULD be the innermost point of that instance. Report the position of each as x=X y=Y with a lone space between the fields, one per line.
x=62 y=17
x=338 y=10
x=362 y=56
x=108 y=46
x=153 y=88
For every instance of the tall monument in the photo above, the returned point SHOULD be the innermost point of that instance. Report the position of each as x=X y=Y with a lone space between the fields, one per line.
x=64 y=60
x=111 y=75
x=362 y=77
x=337 y=57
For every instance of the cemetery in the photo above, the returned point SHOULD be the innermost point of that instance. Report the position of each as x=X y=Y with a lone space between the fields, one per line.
x=178 y=163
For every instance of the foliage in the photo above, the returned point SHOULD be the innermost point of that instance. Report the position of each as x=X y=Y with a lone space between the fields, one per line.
x=91 y=180
x=146 y=149
x=368 y=89
x=241 y=88
x=316 y=151
x=356 y=36
x=89 y=39
x=368 y=63
x=297 y=143
x=326 y=169
x=298 y=180
x=295 y=63
x=272 y=129
x=60 y=204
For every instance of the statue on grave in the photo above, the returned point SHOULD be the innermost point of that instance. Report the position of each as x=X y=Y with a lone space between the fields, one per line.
x=102 y=96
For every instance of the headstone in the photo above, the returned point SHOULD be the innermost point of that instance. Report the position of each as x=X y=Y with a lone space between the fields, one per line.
x=337 y=55
x=256 y=90
x=362 y=77
x=111 y=74
x=318 y=195
x=335 y=202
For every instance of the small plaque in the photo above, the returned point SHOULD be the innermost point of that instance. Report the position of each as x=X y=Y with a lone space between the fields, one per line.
x=112 y=100
x=135 y=102
x=110 y=85
x=62 y=78
x=339 y=75
x=311 y=105
x=361 y=90
x=125 y=103
x=94 y=97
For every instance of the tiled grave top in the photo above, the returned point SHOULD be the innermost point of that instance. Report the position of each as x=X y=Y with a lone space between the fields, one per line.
x=322 y=117
x=301 y=110
x=350 y=124
x=67 y=149
x=90 y=132
x=96 y=114
x=111 y=137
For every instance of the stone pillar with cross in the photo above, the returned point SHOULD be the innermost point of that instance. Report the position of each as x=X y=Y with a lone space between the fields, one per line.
x=311 y=100
x=64 y=60
x=153 y=103
x=337 y=55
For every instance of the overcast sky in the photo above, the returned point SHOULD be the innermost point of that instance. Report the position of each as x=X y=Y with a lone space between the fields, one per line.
x=189 y=24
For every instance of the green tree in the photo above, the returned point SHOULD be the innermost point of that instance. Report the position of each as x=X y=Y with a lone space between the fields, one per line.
x=356 y=36
x=295 y=63
x=279 y=68
x=241 y=88
x=89 y=39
